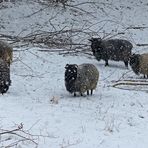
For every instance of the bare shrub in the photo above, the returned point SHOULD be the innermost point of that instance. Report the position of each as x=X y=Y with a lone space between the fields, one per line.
x=55 y=2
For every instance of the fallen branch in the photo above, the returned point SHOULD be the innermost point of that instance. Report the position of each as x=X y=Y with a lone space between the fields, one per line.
x=19 y=136
x=141 y=44
x=11 y=131
x=118 y=84
x=51 y=39
x=137 y=27
x=129 y=83
x=134 y=80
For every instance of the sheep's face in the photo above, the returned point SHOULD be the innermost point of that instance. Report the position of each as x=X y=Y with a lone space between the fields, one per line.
x=4 y=86
x=70 y=77
x=96 y=47
x=71 y=72
x=95 y=43
x=134 y=59
x=134 y=63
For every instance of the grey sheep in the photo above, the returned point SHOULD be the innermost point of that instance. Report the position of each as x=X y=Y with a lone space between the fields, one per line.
x=113 y=49
x=81 y=78
x=6 y=52
x=5 y=81
x=139 y=64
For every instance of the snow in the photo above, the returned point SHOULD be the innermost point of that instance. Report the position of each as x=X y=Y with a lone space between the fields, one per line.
x=111 y=117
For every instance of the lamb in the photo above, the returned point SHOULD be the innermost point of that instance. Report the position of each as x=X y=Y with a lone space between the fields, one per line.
x=139 y=64
x=6 y=52
x=81 y=78
x=113 y=49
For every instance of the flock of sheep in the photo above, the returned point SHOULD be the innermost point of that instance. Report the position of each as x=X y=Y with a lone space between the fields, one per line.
x=83 y=78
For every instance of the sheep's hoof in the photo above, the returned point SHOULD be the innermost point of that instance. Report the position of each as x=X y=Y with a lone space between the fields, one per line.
x=91 y=91
x=74 y=94
x=106 y=64
x=88 y=92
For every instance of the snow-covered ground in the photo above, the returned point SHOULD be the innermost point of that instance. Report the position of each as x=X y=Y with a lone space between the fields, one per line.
x=111 y=117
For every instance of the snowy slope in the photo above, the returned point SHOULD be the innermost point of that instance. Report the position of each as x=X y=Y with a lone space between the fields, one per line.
x=111 y=117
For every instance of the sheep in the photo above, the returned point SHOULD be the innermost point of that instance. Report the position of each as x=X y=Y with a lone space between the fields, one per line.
x=139 y=64
x=5 y=81
x=6 y=52
x=113 y=49
x=81 y=78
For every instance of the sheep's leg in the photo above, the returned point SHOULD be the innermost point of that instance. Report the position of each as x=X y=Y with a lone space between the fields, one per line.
x=126 y=63
x=87 y=92
x=144 y=76
x=106 y=63
x=91 y=91
x=74 y=94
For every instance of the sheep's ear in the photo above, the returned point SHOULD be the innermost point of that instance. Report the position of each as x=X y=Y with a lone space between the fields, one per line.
x=76 y=65
x=90 y=39
x=67 y=65
x=99 y=39
x=131 y=55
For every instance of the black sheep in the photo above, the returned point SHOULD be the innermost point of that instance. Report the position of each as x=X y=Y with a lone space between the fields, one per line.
x=81 y=78
x=113 y=49
x=5 y=81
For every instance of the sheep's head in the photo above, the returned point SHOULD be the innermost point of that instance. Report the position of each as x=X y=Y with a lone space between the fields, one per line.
x=4 y=86
x=71 y=72
x=95 y=43
x=95 y=40
x=96 y=47
x=70 y=76
x=134 y=63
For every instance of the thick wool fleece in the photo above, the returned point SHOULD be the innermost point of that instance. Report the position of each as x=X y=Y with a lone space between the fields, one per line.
x=6 y=52
x=4 y=76
x=81 y=78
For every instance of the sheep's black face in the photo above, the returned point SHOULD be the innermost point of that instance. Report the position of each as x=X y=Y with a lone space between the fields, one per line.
x=95 y=43
x=70 y=76
x=71 y=72
x=4 y=86
x=134 y=63
x=98 y=54
x=96 y=47
x=134 y=59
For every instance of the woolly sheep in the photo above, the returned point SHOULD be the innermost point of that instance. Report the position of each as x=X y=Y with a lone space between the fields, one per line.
x=113 y=49
x=81 y=78
x=4 y=76
x=6 y=52
x=139 y=64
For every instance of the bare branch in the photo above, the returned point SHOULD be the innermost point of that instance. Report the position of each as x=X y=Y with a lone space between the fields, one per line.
x=120 y=83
